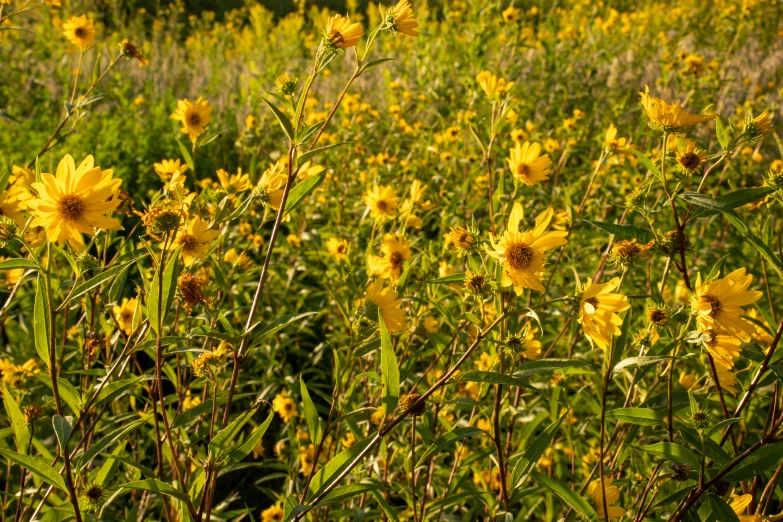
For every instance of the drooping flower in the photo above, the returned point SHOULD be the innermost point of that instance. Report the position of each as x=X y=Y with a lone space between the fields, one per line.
x=528 y=165
x=341 y=33
x=75 y=201
x=269 y=188
x=284 y=406
x=384 y=300
x=80 y=31
x=168 y=167
x=612 y=496
x=195 y=240
x=718 y=304
x=383 y=202
x=400 y=19
x=669 y=117
x=234 y=183
x=396 y=250
x=598 y=309
x=194 y=117
x=758 y=127
x=723 y=348
x=522 y=254
x=124 y=313
x=727 y=379
x=133 y=52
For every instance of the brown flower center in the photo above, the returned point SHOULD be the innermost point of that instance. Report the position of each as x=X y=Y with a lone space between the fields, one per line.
x=519 y=256
x=381 y=205
x=715 y=304
x=80 y=32
x=395 y=259
x=189 y=242
x=658 y=316
x=593 y=301
x=71 y=207
x=690 y=161
x=523 y=169
x=194 y=119
x=336 y=38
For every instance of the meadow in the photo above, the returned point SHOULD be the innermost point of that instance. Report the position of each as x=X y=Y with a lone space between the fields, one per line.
x=441 y=260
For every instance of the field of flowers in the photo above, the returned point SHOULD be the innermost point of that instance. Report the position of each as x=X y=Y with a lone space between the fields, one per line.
x=454 y=260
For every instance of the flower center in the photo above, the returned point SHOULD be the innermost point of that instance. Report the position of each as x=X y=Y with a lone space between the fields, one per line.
x=395 y=259
x=381 y=205
x=523 y=169
x=71 y=207
x=519 y=256
x=593 y=301
x=126 y=316
x=690 y=161
x=194 y=119
x=715 y=305
x=79 y=32
x=336 y=38
x=189 y=242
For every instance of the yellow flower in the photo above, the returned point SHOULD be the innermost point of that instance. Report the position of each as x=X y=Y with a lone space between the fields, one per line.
x=383 y=202
x=124 y=314
x=294 y=240
x=527 y=165
x=511 y=14
x=493 y=86
x=168 y=167
x=384 y=300
x=338 y=248
x=284 y=406
x=431 y=324
x=341 y=33
x=612 y=496
x=396 y=250
x=687 y=380
x=759 y=126
x=195 y=240
x=194 y=117
x=718 y=304
x=691 y=158
x=759 y=323
x=522 y=253
x=75 y=201
x=272 y=514
x=190 y=402
x=134 y=53
x=306 y=459
x=723 y=349
x=669 y=117
x=80 y=31
x=612 y=144
x=400 y=19
x=598 y=310
x=727 y=379
x=234 y=183
x=270 y=186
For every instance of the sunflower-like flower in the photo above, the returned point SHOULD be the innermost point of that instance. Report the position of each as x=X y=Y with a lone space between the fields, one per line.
x=273 y=513
x=524 y=345
x=286 y=84
x=718 y=304
x=598 y=309
x=396 y=250
x=124 y=313
x=195 y=240
x=691 y=159
x=341 y=33
x=194 y=117
x=727 y=379
x=612 y=495
x=384 y=301
x=723 y=348
x=528 y=165
x=234 y=183
x=168 y=167
x=284 y=406
x=75 y=201
x=400 y=19
x=628 y=252
x=758 y=127
x=337 y=248
x=270 y=187
x=130 y=50
x=492 y=85
x=461 y=239
x=80 y=31
x=612 y=144
x=522 y=253
x=383 y=202
x=669 y=117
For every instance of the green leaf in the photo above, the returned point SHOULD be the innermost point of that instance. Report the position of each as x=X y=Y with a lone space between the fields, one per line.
x=709 y=203
x=157 y=486
x=16 y=263
x=341 y=493
x=567 y=495
x=449 y=279
x=736 y=199
x=247 y=446
x=37 y=466
x=721 y=510
x=390 y=372
x=300 y=102
x=220 y=443
x=495 y=378
x=639 y=416
x=277 y=325
x=307 y=156
x=103 y=277
x=107 y=441
x=534 y=452
x=285 y=123
x=374 y=63
x=114 y=389
x=642 y=235
x=166 y=296
x=301 y=190
x=41 y=320
x=448 y=439
x=323 y=477
x=186 y=154
x=529 y=368
x=311 y=414
x=639 y=362
x=764 y=459
x=62 y=428
x=720 y=131
x=673 y=453
x=647 y=162
x=20 y=428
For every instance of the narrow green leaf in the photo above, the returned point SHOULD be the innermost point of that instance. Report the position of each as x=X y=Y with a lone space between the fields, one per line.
x=157 y=486
x=220 y=443
x=374 y=63
x=20 y=428
x=285 y=123
x=529 y=368
x=721 y=510
x=390 y=372
x=186 y=154
x=647 y=162
x=624 y=231
x=103 y=277
x=170 y=274
x=311 y=414
x=534 y=452
x=37 y=466
x=277 y=325
x=495 y=378
x=324 y=476
x=41 y=320
x=761 y=461
x=672 y=452
x=62 y=428
x=247 y=446
x=17 y=263
x=301 y=190
x=567 y=495
x=107 y=441
x=307 y=156
x=720 y=131
x=447 y=280
x=449 y=438
x=639 y=416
